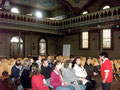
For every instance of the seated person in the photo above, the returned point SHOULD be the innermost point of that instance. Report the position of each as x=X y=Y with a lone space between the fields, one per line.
x=56 y=79
x=90 y=71
x=39 y=61
x=25 y=79
x=38 y=81
x=50 y=62
x=81 y=73
x=69 y=76
x=46 y=71
x=16 y=70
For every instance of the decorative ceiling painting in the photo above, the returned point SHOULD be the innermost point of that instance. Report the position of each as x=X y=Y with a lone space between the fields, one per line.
x=77 y=3
x=43 y=4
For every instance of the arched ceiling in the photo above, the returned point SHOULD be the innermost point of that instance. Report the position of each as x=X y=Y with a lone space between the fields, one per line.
x=51 y=4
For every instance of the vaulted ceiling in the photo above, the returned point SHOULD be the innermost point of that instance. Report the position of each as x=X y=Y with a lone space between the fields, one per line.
x=51 y=4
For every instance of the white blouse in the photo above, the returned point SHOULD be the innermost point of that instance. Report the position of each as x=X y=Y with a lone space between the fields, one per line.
x=79 y=71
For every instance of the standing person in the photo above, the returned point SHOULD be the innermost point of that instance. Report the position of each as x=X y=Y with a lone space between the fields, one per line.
x=56 y=79
x=106 y=71
x=38 y=80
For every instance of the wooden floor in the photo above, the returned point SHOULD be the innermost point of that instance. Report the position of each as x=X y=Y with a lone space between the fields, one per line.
x=5 y=85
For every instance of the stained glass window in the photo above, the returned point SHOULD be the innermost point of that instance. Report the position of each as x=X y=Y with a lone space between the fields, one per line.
x=107 y=38
x=84 y=39
x=42 y=47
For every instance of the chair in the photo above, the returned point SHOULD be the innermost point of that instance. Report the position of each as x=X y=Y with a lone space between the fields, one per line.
x=114 y=75
x=9 y=67
x=92 y=62
x=1 y=70
x=117 y=66
x=82 y=63
x=96 y=64
x=115 y=61
x=4 y=65
x=119 y=61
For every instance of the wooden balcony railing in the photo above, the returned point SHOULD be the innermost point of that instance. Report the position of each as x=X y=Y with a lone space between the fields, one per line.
x=101 y=16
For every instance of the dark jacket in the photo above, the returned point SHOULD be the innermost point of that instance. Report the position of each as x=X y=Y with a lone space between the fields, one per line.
x=89 y=69
x=46 y=71
x=15 y=72
x=25 y=79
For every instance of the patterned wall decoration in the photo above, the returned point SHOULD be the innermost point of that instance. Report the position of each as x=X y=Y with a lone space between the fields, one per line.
x=77 y=3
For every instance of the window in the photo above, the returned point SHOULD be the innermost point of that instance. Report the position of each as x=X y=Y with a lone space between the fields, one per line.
x=106 y=7
x=16 y=39
x=16 y=49
x=42 y=47
x=107 y=38
x=84 y=39
x=85 y=12
x=57 y=17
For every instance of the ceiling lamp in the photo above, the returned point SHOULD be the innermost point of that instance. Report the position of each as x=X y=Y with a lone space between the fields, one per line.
x=15 y=10
x=85 y=12
x=38 y=14
x=106 y=7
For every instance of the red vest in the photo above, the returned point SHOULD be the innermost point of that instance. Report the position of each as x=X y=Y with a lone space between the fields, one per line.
x=107 y=66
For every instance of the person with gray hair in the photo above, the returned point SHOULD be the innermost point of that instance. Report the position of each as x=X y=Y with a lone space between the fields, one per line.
x=69 y=76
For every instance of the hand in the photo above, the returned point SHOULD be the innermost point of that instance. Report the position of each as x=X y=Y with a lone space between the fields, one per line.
x=63 y=84
x=94 y=73
x=104 y=81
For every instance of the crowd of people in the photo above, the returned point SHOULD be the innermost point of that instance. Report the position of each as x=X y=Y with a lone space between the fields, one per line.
x=48 y=74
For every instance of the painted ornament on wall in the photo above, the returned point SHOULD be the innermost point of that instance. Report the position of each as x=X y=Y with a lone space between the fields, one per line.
x=76 y=1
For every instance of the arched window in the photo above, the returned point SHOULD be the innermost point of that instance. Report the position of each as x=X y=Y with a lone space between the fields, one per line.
x=16 y=39
x=16 y=47
x=42 y=46
x=106 y=7
x=85 y=12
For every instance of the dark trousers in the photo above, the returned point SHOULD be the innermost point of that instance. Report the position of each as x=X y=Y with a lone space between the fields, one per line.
x=106 y=86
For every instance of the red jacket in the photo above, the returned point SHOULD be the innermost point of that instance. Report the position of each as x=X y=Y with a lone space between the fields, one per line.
x=55 y=80
x=107 y=66
x=37 y=82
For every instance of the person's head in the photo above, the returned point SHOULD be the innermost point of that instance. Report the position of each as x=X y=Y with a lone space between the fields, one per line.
x=18 y=63
x=54 y=61
x=27 y=63
x=58 y=65
x=64 y=59
x=45 y=63
x=68 y=64
x=103 y=55
x=40 y=58
x=35 y=70
x=88 y=60
x=76 y=61
x=49 y=57
x=56 y=58
x=31 y=60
